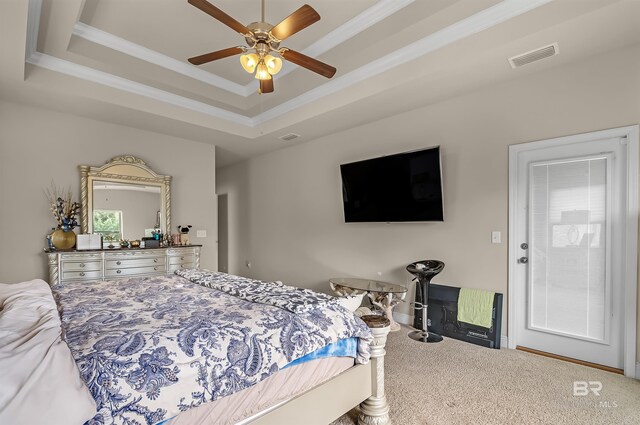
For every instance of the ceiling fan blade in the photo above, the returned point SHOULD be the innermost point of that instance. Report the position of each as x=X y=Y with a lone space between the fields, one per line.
x=297 y=21
x=209 y=57
x=218 y=14
x=310 y=63
x=266 y=86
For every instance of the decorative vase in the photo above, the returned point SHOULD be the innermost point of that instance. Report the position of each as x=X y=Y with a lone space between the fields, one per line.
x=63 y=239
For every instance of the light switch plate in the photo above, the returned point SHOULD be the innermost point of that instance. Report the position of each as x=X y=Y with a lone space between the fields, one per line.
x=496 y=237
x=201 y=234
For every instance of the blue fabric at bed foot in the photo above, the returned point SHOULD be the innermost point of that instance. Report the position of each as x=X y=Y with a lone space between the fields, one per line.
x=344 y=348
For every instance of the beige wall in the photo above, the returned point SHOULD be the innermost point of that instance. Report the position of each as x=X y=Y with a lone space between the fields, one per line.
x=285 y=208
x=38 y=146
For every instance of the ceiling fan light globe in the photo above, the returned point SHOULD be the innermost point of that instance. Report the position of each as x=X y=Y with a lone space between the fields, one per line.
x=249 y=62
x=274 y=64
x=262 y=72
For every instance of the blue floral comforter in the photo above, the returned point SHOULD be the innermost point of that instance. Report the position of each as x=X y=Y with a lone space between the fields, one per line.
x=149 y=348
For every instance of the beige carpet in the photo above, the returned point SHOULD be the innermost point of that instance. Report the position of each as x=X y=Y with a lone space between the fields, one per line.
x=453 y=382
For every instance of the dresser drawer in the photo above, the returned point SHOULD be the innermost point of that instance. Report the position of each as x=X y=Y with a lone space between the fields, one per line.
x=174 y=267
x=181 y=251
x=70 y=266
x=86 y=266
x=135 y=262
x=84 y=275
x=180 y=259
x=132 y=271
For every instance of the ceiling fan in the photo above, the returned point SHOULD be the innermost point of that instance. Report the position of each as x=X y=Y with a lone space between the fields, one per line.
x=263 y=40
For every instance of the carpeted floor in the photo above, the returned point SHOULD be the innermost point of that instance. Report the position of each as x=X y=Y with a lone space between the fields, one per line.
x=453 y=382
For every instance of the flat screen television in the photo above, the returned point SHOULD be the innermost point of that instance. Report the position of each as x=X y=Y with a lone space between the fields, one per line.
x=395 y=188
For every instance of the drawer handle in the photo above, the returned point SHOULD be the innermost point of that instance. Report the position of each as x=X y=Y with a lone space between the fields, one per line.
x=118 y=262
x=155 y=260
x=155 y=268
x=181 y=258
x=81 y=265
x=118 y=271
x=81 y=273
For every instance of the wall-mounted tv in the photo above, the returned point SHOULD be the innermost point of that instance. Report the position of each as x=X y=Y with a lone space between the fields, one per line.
x=395 y=188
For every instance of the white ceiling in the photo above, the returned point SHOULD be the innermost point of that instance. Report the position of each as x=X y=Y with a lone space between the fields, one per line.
x=124 y=61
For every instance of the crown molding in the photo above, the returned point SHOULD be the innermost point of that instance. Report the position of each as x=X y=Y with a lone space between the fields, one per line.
x=33 y=24
x=478 y=22
x=137 y=51
x=354 y=26
x=89 y=74
x=351 y=28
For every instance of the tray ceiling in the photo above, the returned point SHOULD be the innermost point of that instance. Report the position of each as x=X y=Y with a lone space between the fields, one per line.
x=131 y=55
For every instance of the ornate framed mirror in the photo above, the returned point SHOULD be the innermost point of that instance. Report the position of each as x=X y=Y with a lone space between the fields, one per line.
x=124 y=199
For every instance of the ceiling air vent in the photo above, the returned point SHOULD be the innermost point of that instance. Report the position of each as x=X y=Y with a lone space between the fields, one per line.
x=534 y=55
x=288 y=137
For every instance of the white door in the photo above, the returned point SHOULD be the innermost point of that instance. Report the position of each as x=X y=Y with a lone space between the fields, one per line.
x=569 y=243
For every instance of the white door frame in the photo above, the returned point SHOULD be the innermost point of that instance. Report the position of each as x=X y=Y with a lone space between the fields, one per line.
x=631 y=251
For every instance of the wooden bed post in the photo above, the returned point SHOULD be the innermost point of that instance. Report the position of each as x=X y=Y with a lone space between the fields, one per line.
x=375 y=409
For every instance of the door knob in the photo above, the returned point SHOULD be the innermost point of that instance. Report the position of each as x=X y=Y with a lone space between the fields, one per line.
x=523 y=260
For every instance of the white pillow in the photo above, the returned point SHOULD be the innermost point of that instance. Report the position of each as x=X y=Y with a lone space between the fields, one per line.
x=40 y=380
x=351 y=302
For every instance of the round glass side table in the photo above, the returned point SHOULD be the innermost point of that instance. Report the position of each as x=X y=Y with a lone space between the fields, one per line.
x=384 y=295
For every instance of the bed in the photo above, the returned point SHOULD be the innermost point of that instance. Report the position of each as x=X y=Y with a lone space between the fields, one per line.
x=199 y=348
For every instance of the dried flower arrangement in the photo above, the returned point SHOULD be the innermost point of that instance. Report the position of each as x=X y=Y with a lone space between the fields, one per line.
x=63 y=208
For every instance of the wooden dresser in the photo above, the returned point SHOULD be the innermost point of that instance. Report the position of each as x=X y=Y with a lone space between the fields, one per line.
x=108 y=264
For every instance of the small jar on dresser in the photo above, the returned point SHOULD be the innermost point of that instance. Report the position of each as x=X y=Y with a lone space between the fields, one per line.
x=88 y=265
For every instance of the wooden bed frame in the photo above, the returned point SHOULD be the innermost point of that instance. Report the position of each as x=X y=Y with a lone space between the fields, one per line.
x=361 y=384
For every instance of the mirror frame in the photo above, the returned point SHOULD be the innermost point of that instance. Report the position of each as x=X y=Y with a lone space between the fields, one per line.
x=122 y=169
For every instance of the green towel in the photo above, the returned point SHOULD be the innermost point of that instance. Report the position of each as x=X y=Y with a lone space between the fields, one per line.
x=475 y=306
